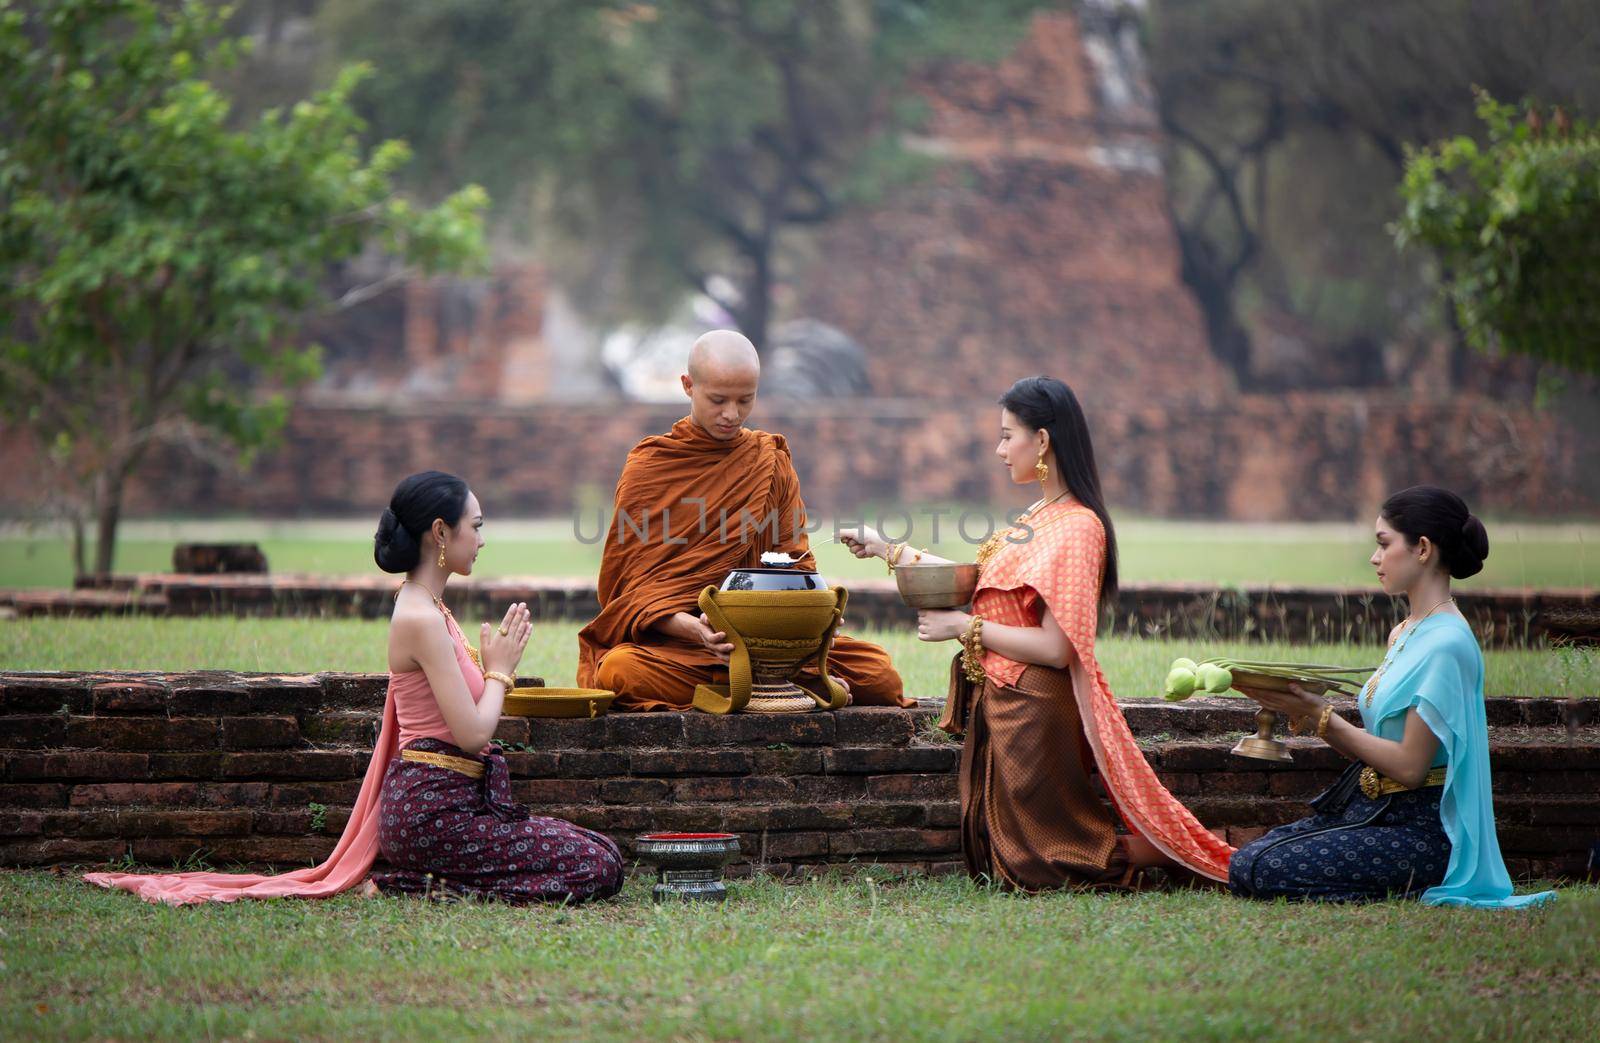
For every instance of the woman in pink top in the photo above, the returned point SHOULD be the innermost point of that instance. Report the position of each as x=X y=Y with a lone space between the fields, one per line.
x=436 y=800
x=447 y=821
x=1026 y=690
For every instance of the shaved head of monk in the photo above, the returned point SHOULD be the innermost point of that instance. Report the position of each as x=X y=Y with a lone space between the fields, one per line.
x=724 y=371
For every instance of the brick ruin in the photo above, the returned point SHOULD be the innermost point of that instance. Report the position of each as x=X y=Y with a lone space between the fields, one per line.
x=95 y=767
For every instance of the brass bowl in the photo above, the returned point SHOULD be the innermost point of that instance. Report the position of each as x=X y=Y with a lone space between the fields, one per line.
x=557 y=702
x=942 y=585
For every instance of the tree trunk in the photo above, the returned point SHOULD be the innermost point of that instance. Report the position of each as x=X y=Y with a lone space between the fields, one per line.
x=1213 y=290
x=755 y=310
x=80 y=564
x=108 y=511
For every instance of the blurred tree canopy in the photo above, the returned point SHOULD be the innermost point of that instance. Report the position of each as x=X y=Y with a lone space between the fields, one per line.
x=661 y=144
x=1516 y=226
x=1288 y=122
x=156 y=261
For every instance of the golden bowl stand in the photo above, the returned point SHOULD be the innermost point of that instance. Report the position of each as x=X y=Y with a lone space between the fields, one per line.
x=761 y=670
x=1262 y=746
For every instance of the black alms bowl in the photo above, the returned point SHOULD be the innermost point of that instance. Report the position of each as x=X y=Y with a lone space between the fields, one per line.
x=773 y=579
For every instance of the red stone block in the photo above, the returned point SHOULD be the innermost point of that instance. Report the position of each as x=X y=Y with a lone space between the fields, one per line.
x=1544 y=757
x=21 y=823
x=782 y=846
x=873 y=813
x=355 y=691
x=752 y=818
x=252 y=733
x=912 y=787
x=750 y=788
x=85 y=764
x=281 y=853
x=184 y=823
x=83 y=823
x=289 y=764
x=894 y=841
x=1235 y=782
x=1299 y=783
x=745 y=729
x=944 y=813
x=867 y=760
x=644 y=730
x=33 y=795
x=531 y=765
x=590 y=764
x=299 y=794
x=1180 y=783
x=1577 y=811
x=1195 y=757
x=341 y=727
x=512 y=730
x=874 y=726
x=130 y=697
x=829 y=789
x=205 y=699
x=556 y=791
x=185 y=765
x=29 y=695
x=634 y=791
x=581 y=733
x=58 y=851
x=1239 y=836
x=687 y=762
x=36 y=732
x=786 y=762
x=143 y=733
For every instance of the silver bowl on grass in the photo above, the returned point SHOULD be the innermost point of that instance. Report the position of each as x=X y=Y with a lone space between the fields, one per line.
x=688 y=865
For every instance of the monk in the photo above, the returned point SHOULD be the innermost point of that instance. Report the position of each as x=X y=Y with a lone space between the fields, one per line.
x=708 y=497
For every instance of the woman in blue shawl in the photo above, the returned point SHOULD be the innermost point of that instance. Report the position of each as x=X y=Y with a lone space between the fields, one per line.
x=1414 y=813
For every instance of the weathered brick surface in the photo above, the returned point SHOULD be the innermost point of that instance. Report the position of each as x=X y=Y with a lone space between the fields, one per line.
x=1252 y=612
x=860 y=786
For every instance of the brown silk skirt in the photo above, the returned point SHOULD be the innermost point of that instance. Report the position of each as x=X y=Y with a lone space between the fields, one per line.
x=1030 y=818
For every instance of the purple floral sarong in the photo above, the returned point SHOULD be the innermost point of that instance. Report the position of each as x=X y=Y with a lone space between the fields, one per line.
x=443 y=832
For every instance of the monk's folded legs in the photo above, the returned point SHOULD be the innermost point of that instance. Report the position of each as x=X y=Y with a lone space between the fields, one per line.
x=663 y=677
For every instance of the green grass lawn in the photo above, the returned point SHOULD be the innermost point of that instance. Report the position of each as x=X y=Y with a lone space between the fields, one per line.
x=838 y=958
x=1523 y=554
x=1135 y=666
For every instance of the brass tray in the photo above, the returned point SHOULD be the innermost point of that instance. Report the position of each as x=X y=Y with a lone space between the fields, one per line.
x=557 y=702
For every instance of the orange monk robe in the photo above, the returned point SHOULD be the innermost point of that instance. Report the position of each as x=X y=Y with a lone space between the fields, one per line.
x=689 y=510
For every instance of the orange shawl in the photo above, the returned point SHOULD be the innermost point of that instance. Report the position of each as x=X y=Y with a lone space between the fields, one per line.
x=1063 y=563
x=689 y=509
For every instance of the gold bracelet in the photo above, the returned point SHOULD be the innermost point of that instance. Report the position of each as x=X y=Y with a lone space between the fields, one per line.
x=1322 y=722
x=972 y=651
x=505 y=679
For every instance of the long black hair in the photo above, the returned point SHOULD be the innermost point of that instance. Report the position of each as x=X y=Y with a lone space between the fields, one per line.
x=1442 y=516
x=417 y=501
x=1047 y=404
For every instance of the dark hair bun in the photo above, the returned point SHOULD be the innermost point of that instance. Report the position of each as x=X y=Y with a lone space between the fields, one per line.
x=1474 y=547
x=393 y=548
x=418 y=501
x=1443 y=517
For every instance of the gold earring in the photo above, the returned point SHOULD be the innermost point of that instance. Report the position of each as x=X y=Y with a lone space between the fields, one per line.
x=441 y=554
x=1041 y=469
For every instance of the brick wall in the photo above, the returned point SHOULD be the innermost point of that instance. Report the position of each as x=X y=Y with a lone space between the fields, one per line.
x=1500 y=618
x=96 y=766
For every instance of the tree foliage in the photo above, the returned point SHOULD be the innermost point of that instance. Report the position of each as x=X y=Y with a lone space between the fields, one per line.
x=1288 y=121
x=156 y=261
x=665 y=143
x=1513 y=223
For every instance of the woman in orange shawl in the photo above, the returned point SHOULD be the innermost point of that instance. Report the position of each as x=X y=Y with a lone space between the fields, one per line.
x=1034 y=705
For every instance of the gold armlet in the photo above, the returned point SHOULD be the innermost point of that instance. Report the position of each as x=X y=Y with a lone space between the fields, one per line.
x=505 y=679
x=1322 y=721
x=892 y=557
x=972 y=651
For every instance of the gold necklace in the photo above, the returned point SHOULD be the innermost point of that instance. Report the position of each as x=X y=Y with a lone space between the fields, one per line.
x=472 y=652
x=1399 y=646
x=991 y=546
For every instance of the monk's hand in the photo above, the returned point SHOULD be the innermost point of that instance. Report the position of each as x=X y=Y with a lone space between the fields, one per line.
x=698 y=630
x=863 y=541
x=941 y=624
x=501 y=647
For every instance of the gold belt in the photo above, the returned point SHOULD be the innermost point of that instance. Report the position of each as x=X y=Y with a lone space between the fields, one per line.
x=1375 y=785
x=471 y=769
